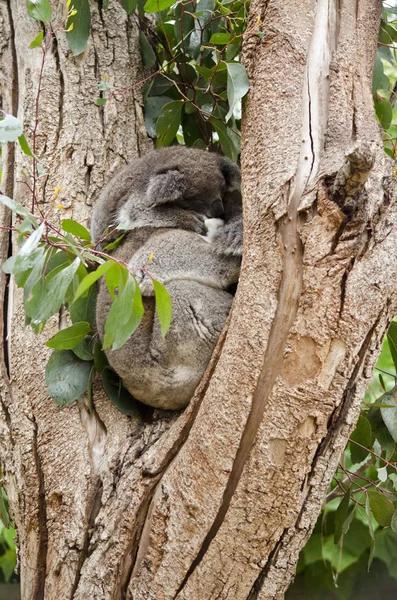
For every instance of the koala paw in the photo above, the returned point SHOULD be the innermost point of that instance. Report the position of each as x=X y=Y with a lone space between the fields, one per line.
x=198 y=224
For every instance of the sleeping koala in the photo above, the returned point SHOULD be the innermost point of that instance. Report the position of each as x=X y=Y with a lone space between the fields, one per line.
x=174 y=187
x=197 y=270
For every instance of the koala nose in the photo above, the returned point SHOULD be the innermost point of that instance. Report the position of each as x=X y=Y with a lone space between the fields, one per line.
x=217 y=208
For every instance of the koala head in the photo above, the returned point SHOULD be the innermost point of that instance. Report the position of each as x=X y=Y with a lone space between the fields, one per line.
x=192 y=179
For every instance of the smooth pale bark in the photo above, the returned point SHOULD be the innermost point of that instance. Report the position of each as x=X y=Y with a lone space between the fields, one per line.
x=218 y=501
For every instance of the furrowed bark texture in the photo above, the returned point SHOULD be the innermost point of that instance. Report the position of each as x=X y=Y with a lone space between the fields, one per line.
x=215 y=502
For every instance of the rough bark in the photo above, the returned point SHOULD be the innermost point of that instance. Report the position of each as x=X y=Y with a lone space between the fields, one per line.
x=216 y=502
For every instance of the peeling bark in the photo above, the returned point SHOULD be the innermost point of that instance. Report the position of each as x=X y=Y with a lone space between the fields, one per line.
x=215 y=502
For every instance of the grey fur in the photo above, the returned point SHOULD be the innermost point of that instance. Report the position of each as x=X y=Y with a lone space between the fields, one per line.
x=152 y=190
x=197 y=271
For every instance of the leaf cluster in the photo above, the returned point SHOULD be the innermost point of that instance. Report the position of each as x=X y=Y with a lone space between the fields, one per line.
x=58 y=269
x=384 y=83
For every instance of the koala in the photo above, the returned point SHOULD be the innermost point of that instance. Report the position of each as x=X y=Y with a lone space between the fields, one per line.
x=195 y=253
x=175 y=187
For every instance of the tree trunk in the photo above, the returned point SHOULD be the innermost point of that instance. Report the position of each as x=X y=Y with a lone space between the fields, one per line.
x=215 y=502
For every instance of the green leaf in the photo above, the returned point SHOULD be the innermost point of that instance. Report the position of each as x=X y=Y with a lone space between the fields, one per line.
x=389 y=416
x=341 y=516
x=40 y=10
x=69 y=338
x=157 y=5
x=153 y=108
x=100 y=359
x=226 y=142
x=161 y=84
x=4 y=517
x=129 y=5
x=393 y=523
x=115 y=277
x=220 y=39
x=84 y=350
x=392 y=339
x=163 y=306
x=233 y=49
x=91 y=278
x=384 y=112
x=37 y=40
x=11 y=129
x=168 y=122
x=46 y=300
x=78 y=36
x=71 y=226
x=371 y=531
x=237 y=85
x=117 y=394
x=100 y=101
x=184 y=22
x=89 y=388
x=124 y=316
x=382 y=508
x=116 y=243
x=25 y=146
x=26 y=257
x=66 y=376
x=379 y=79
x=18 y=209
x=362 y=435
x=84 y=308
x=148 y=55
x=387 y=34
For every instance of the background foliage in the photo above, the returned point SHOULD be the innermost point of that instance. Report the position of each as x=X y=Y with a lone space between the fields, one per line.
x=192 y=88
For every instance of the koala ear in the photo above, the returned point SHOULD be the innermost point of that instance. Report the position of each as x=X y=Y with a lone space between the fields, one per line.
x=231 y=172
x=165 y=186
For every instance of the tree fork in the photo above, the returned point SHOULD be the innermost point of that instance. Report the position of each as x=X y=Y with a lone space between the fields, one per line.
x=218 y=501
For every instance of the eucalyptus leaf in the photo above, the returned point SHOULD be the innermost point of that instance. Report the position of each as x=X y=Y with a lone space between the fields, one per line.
x=36 y=43
x=384 y=112
x=100 y=359
x=69 y=338
x=370 y=530
x=148 y=55
x=382 y=508
x=66 y=376
x=77 y=38
x=362 y=435
x=237 y=85
x=392 y=339
x=71 y=226
x=91 y=278
x=10 y=129
x=168 y=122
x=117 y=394
x=47 y=299
x=18 y=209
x=83 y=309
x=84 y=349
x=153 y=108
x=124 y=316
x=40 y=10
x=129 y=5
x=25 y=146
x=157 y=5
x=389 y=416
x=341 y=516
x=379 y=79
x=220 y=39
x=4 y=516
x=163 y=306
